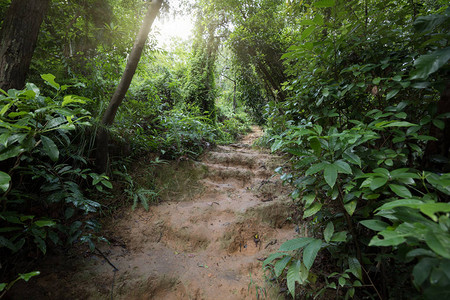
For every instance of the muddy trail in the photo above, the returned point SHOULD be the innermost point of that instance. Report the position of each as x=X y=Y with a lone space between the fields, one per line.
x=218 y=219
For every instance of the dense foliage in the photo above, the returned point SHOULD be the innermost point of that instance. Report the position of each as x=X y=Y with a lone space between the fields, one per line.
x=52 y=195
x=355 y=94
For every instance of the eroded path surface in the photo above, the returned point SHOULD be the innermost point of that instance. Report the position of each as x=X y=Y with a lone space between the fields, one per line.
x=204 y=241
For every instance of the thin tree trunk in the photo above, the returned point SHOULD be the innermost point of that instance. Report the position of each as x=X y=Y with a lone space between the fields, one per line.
x=122 y=88
x=18 y=38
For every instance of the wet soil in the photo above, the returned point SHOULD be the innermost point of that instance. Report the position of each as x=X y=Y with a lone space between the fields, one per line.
x=218 y=219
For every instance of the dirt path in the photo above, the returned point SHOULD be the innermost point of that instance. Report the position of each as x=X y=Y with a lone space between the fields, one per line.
x=205 y=244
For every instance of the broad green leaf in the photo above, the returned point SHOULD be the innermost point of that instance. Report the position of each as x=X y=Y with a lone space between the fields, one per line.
x=324 y=3
x=107 y=183
x=310 y=252
x=398 y=124
x=439 y=244
x=312 y=210
x=438 y=123
x=390 y=238
x=50 y=80
x=413 y=203
x=318 y=19
x=277 y=145
x=295 y=244
x=350 y=207
x=378 y=182
x=430 y=63
x=308 y=199
x=293 y=275
x=330 y=174
x=72 y=99
x=304 y=273
x=50 y=148
x=11 y=152
x=4 y=242
x=5 y=180
x=343 y=167
x=281 y=264
x=355 y=267
x=315 y=145
x=430 y=209
x=352 y=158
x=392 y=94
x=28 y=276
x=42 y=223
x=328 y=232
x=272 y=257
x=40 y=243
x=315 y=168
x=307 y=32
x=375 y=225
x=400 y=190
x=340 y=236
x=397 y=78
x=422 y=270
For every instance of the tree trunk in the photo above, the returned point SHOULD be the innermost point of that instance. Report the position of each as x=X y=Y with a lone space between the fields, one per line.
x=18 y=38
x=122 y=88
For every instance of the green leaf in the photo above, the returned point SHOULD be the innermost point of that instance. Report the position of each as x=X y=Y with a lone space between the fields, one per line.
x=352 y=158
x=40 y=243
x=397 y=78
x=318 y=19
x=392 y=94
x=307 y=32
x=315 y=145
x=272 y=257
x=330 y=174
x=378 y=182
x=439 y=244
x=281 y=264
x=5 y=180
x=50 y=80
x=72 y=99
x=438 y=123
x=400 y=190
x=324 y=3
x=422 y=270
x=50 y=148
x=42 y=223
x=430 y=209
x=310 y=252
x=413 y=203
x=293 y=275
x=340 y=236
x=430 y=63
x=398 y=124
x=355 y=267
x=315 y=168
x=375 y=225
x=107 y=183
x=4 y=242
x=343 y=167
x=28 y=276
x=350 y=207
x=328 y=232
x=390 y=238
x=308 y=199
x=295 y=244
x=312 y=210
